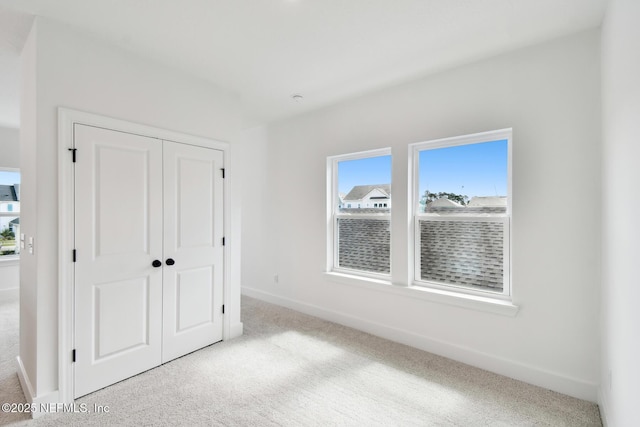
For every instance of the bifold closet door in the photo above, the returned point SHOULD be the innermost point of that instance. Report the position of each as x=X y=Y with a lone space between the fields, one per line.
x=193 y=250
x=118 y=235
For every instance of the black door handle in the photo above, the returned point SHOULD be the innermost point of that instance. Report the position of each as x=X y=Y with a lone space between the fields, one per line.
x=156 y=263
x=170 y=261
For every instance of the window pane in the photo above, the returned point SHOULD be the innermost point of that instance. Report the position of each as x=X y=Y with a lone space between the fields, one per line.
x=9 y=211
x=461 y=187
x=472 y=175
x=364 y=244
x=464 y=253
x=364 y=185
x=364 y=189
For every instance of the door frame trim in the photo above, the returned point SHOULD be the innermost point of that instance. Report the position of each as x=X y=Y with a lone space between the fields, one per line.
x=66 y=120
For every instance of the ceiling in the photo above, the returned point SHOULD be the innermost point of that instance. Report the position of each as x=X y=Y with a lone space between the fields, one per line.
x=326 y=50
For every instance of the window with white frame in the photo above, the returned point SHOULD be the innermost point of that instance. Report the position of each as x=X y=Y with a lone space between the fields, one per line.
x=461 y=213
x=359 y=213
x=9 y=213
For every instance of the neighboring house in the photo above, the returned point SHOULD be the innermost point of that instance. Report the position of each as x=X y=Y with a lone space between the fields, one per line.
x=489 y=201
x=9 y=202
x=443 y=205
x=368 y=196
x=476 y=205
x=14 y=225
x=9 y=194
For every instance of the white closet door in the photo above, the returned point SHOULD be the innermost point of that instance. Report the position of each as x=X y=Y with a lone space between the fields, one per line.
x=193 y=224
x=118 y=293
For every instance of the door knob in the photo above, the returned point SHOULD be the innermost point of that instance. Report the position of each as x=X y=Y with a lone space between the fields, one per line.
x=156 y=263
x=170 y=261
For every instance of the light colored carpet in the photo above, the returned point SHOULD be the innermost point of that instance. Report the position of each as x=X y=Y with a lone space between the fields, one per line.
x=290 y=369
x=10 y=390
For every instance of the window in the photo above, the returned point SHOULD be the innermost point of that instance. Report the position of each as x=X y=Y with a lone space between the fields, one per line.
x=9 y=213
x=462 y=206
x=359 y=239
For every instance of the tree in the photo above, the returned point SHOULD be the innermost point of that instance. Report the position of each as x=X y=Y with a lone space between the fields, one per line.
x=7 y=234
x=430 y=197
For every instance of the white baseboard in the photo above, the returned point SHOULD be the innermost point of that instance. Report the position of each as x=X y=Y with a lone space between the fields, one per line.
x=603 y=404
x=9 y=294
x=42 y=404
x=236 y=330
x=499 y=365
x=27 y=390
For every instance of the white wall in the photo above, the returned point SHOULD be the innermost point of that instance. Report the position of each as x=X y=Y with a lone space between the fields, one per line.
x=9 y=148
x=28 y=206
x=550 y=95
x=257 y=212
x=621 y=230
x=64 y=68
x=9 y=159
x=9 y=277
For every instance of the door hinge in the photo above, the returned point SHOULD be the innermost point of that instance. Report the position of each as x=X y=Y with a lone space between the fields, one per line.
x=74 y=255
x=73 y=355
x=223 y=241
x=222 y=308
x=222 y=169
x=73 y=154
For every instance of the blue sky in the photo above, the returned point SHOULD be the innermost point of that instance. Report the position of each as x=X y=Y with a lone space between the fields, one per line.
x=373 y=170
x=8 y=178
x=471 y=170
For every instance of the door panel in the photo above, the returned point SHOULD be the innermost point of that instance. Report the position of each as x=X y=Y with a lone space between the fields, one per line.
x=193 y=207
x=118 y=294
x=194 y=294
x=115 y=305
x=122 y=211
x=194 y=185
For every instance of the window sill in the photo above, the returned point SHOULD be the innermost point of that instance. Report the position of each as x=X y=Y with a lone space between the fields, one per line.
x=472 y=302
x=9 y=260
x=352 y=279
